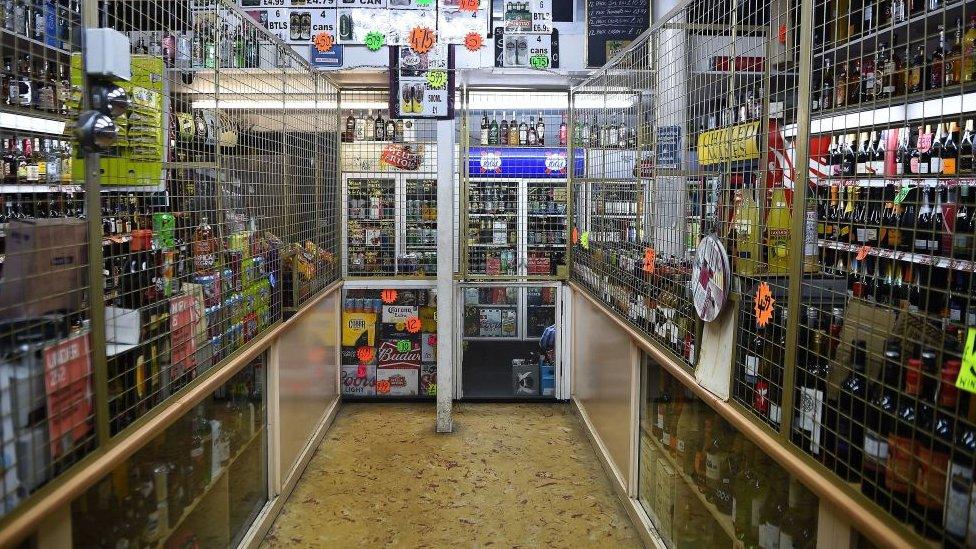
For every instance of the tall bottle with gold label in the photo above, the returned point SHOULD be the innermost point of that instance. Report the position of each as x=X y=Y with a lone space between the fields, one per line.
x=747 y=237
x=778 y=233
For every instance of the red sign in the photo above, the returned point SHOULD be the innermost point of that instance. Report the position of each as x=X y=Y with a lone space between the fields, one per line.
x=649 y=257
x=324 y=42
x=365 y=354
x=413 y=324
x=473 y=41
x=390 y=357
x=388 y=296
x=67 y=382
x=402 y=156
x=468 y=5
x=183 y=320
x=763 y=304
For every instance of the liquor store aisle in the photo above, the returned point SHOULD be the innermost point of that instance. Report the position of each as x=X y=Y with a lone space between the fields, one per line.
x=510 y=474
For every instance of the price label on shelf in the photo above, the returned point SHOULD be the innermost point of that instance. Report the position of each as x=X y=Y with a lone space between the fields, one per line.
x=967 y=373
x=375 y=40
x=649 y=256
x=862 y=253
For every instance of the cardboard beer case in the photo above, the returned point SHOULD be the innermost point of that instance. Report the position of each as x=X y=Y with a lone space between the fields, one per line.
x=353 y=385
x=45 y=267
x=397 y=381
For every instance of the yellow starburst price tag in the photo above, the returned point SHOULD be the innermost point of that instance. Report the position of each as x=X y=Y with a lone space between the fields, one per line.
x=967 y=373
x=436 y=79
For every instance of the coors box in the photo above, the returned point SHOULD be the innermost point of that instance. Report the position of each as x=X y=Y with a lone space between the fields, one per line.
x=353 y=385
x=397 y=381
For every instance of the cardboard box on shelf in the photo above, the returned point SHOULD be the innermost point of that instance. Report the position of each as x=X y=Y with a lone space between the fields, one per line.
x=397 y=381
x=525 y=378
x=45 y=267
x=664 y=492
x=353 y=385
x=491 y=323
x=862 y=320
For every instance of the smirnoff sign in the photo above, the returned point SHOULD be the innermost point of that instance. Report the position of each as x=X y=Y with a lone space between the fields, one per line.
x=390 y=357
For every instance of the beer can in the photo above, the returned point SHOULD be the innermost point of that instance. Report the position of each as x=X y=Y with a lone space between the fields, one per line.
x=164 y=231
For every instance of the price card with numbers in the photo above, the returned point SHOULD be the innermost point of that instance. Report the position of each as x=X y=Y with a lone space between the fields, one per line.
x=423 y=83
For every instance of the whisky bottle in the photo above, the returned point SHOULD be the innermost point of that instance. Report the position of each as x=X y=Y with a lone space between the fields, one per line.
x=916 y=71
x=540 y=131
x=484 y=129
x=937 y=63
x=969 y=52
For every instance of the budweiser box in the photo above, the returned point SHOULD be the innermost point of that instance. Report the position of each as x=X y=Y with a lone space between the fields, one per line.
x=428 y=379
x=388 y=356
x=397 y=381
x=44 y=270
x=353 y=385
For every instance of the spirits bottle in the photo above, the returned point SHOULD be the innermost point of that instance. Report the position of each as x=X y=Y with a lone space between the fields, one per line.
x=532 y=138
x=778 y=222
x=969 y=52
x=493 y=130
x=965 y=164
x=810 y=392
x=937 y=63
x=370 y=127
x=935 y=152
x=484 y=129
x=513 y=131
x=861 y=165
x=205 y=248
x=540 y=131
x=916 y=71
x=851 y=417
x=379 y=128
x=746 y=226
x=950 y=152
x=523 y=133
x=953 y=62
x=503 y=131
x=563 y=132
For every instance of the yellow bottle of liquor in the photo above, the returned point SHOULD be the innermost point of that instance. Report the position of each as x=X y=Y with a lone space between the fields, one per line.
x=778 y=233
x=747 y=237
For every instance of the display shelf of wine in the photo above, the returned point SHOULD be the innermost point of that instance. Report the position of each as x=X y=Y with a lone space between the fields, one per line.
x=918 y=106
x=214 y=482
x=479 y=214
x=920 y=259
x=723 y=520
x=874 y=182
x=913 y=23
x=12 y=39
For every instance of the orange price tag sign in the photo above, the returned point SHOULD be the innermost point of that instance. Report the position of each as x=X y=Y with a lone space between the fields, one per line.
x=324 y=42
x=649 y=256
x=413 y=324
x=862 y=253
x=382 y=386
x=473 y=41
x=763 y=305
x=365 y=354
x=422 y=39
x=468 y=5
x=389 y=296
x=575 y=235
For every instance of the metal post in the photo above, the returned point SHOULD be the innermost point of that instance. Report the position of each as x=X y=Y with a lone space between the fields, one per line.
x=445 y=274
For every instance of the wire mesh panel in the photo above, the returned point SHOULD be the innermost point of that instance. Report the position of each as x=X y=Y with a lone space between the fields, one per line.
x=209 y=205
x=632 y=213
x=389 y=173
x=889 y=314
x=47 y=413
x=515 y=168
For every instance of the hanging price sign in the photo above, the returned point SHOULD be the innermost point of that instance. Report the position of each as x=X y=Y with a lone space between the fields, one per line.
x=365 y=354
x=862 y=253
x=763 y=305
x=389 y=296
x=436 y=79
x=422 y=39
x=902 y=194
x=649 y=256
x=539 y=61
x=324 y=42
x=468 y=5
x=575 y=236
x=375 y=40
x=404 y=346
x=473 y=41
x=585 y=240
x=967 y=373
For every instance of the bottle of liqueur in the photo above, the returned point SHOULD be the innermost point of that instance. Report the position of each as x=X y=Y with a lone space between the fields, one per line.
x=826 y=96
x=484 y=129
x=810 y=394
x=969 y=52
x=966 y=161
x=854 y=82
x=540 y=131
x=746 y=227
x=879 y=419
x=840 y=85
x=514 y=133
x=563 y=132
x=901 y=467
x=523 y=133
x=916 y=71
x=532 y=137
x=851 y=417
x=778 y=224
x=493 y=130
x=935 y=152
x=950 y=151
x=937 y=63
x=921 y=154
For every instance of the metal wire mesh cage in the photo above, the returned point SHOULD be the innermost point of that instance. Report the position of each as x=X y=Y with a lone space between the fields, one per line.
x=131 y=273
x=389 y=172
x=515 y=167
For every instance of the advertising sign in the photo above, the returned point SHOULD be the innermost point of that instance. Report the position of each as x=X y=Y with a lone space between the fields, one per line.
x=528 y=162
x=67 y=383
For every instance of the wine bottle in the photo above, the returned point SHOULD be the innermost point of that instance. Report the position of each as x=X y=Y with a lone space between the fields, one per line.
x=966 y=164
x=950 y=152
x=935 y=152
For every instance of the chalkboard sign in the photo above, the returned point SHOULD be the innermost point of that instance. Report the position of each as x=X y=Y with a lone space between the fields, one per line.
x=611 y=23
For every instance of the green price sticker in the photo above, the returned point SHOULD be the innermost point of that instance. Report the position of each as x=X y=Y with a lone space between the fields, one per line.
x=902 y=194
x=967 y=371
x=375 y=40
x=404 y=346
x=424 y=3
x=539 y=61
x=436 y=79
x=585 y=240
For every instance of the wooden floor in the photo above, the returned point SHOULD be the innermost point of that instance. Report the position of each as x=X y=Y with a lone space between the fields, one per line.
x=511 y=475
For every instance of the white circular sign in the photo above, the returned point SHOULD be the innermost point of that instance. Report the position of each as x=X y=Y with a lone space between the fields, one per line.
x=710 y=278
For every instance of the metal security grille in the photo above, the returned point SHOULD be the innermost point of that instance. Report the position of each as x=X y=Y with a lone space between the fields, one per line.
x=212 y=216
x=886 y=316
x=389 y=178
x=515 y=169
x=47 y=417
x=634 y=225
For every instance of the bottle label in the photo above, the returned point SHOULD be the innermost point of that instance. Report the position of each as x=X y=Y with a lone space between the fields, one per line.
x=861 y=168
x=775 y=413
x=713 y=466
x=901 y=463
x=935 y=165
x=921 y=244
x=769 y=536
x=958 y=486
x=949 y=166
x=875 y=447
x=752 y=367
x=810 y=416
x=915 y=165
x=899 y=168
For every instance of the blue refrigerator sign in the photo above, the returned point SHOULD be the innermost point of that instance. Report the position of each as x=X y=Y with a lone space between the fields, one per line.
x=331 y=58
x=528 y=162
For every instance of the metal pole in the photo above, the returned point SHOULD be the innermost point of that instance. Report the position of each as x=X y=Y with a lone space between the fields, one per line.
x=445 y=274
